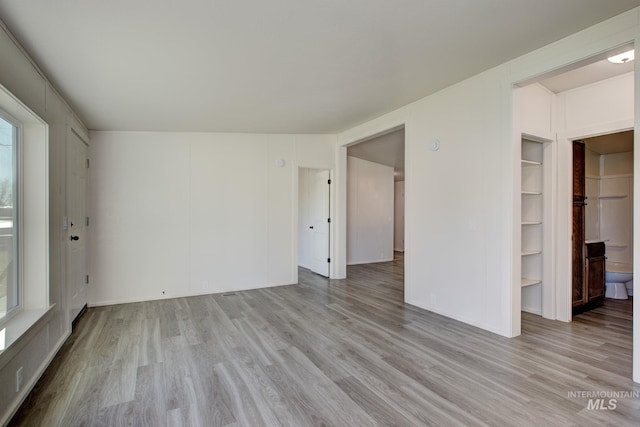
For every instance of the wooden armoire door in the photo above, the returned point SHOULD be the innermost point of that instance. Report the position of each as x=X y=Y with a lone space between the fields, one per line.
x=577 y=252
x=577 y=244
x=579 y=194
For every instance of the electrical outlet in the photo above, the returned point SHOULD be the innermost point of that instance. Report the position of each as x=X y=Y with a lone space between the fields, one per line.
x=18 y=379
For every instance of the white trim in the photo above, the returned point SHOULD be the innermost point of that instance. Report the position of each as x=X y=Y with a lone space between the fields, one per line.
x=622 y=175
x=17 y=228
x=33 y=209
x=377 y=127
x=437 y=310
x=22 y=327
x=375 y=261
x=26 y=390
x=185 y=295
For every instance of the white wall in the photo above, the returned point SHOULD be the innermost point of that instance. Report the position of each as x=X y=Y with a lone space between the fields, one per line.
x=177 y=214
x=591 y=163
x=37 y=347
x=398 y=217
x=617 y=164
x=370 y=206
x=596 y=108
x=458 y=204
x=533 y=110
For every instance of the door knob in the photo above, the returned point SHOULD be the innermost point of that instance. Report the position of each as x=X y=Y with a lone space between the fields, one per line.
x=74 y=238
x=311 y=227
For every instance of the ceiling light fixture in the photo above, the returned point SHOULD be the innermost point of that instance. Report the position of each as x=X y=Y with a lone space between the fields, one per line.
x=622 y=57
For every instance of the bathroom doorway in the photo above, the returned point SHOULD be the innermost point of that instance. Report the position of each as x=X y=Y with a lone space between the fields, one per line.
x=608 y=216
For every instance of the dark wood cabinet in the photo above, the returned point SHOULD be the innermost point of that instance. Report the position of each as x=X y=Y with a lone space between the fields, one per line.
x=579 y=194
x=588 y=259
x=577 y=255
x=594 y=273
x=577 y=234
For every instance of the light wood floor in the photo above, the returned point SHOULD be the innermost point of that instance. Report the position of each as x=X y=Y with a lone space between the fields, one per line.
x=335 y=353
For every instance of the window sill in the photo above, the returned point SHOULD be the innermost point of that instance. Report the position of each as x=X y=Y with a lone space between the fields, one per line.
x=18 y=328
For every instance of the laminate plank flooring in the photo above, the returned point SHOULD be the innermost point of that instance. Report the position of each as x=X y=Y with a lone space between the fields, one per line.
x=331 y=353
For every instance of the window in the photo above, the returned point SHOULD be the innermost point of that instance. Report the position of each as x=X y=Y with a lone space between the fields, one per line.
x=24 y=221
x=9 y=168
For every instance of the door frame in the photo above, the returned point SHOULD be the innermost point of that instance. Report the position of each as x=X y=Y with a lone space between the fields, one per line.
x=564 y=203
x=376 y=130
x=70 y=128
x=296 y=219
x=328 y=213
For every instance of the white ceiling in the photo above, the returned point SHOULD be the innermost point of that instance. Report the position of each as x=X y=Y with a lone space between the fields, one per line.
x=620 y=142
x=285 y=66
x=387 y=149
x=590 y=73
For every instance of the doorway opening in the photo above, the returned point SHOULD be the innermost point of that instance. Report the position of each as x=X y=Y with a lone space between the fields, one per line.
x=375 y=205
x=314 y=220
x=603 y=169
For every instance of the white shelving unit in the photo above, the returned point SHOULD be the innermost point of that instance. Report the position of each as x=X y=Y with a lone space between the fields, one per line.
x=613 y=196
x=531 y=196
x=615 y=204
x=530 y=282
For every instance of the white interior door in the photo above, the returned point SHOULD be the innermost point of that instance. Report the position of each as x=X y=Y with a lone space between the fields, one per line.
x=320 y=221
x=76 y=223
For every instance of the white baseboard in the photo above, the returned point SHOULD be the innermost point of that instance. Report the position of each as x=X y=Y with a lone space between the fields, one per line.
x=462 y=319
x=532 y=310
x=182 y=295
x=370 y=262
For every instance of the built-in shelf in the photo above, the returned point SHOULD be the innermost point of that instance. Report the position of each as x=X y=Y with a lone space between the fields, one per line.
x=532 y=217
x=615 y=245
x=530 y=282
x=613 y=196
x=528 y=253
x=530 y=163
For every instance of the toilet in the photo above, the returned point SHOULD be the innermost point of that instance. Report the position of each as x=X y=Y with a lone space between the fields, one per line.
x=618 y=280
